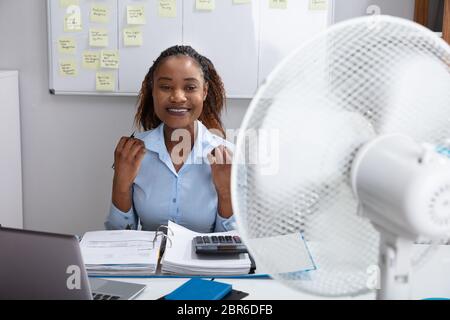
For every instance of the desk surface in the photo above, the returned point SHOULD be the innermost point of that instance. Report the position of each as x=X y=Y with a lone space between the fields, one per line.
x=258 y=289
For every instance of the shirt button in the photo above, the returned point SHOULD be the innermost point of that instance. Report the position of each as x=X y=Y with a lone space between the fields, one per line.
x=174 y=200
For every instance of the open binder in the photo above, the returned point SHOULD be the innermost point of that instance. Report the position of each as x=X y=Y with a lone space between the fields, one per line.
x=167 y=252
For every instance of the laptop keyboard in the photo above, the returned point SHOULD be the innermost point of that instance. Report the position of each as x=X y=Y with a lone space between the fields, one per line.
x=100 y=296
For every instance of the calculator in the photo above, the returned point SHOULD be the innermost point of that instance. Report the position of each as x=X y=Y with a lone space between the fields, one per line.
x=218 y=245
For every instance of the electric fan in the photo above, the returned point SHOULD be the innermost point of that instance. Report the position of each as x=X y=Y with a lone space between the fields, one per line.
x=347 y=129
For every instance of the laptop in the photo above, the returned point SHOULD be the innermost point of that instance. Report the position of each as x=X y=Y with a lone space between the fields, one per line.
x=41 y=265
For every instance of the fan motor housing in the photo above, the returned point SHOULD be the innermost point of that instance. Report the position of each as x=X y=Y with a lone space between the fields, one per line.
x=403 y=187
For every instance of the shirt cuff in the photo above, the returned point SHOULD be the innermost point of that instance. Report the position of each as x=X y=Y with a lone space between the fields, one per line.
x=224 y=224
x=119 y=220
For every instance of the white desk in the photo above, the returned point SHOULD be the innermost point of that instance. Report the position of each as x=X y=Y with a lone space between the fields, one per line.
x=258 y=289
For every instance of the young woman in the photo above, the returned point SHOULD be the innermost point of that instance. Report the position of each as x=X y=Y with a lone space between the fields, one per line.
x=177 y=169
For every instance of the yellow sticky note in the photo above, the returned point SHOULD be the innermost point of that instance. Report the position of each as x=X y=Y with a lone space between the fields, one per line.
x=207 y=5
x=105 y=81
x=167 y=8
x=135 y=15
x=241 y=1
x=91 y=60
x=132 y=37
x=98 y=38
x=68 y=68
x=67 y=45
x=318 y=4
x=109 y=59
x=99 y=14
x=67 y=3
x=72 y=22
x=278 y=4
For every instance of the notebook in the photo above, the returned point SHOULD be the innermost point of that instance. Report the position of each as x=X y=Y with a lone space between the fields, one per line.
x=120 y=252
x=200 y=289
x=180 y=258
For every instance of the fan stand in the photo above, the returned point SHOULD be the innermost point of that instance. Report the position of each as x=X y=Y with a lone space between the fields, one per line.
x=395 y=267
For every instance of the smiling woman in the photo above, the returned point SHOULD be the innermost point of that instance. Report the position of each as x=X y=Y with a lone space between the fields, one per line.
x=158 y=175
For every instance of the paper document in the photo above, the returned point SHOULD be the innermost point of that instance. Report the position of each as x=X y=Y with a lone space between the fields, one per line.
x=180 y=257
x=120 y=252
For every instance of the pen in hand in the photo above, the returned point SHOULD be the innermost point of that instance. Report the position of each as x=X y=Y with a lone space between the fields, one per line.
x=132 y=136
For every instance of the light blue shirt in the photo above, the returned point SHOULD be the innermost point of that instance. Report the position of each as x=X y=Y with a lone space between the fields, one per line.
x=187 y=197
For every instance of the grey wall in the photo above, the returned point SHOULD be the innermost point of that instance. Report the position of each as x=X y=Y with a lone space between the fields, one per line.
x=346 y=9
x=67 y=141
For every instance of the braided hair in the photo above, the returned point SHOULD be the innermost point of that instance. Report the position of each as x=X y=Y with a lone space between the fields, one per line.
x=212 y=107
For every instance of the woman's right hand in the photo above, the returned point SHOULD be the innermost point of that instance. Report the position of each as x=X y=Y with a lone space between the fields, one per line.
x=127 y=162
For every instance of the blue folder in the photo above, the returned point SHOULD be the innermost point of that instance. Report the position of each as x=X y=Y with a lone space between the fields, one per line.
x=200 y=289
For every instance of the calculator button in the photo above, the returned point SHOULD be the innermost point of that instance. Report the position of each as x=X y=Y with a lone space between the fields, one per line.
x=199 y=240
x=221 y=239
x=206 y=239
x=237 y=239
x=228 y=239
x=214 y=239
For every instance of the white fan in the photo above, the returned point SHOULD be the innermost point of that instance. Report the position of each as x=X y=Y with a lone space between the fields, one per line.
x=347 y=128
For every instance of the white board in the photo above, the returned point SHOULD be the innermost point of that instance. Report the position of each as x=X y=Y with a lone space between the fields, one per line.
x=244 y=41
x=229 y=37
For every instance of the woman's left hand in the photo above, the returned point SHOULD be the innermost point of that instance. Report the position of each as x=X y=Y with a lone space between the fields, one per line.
x=220 y=160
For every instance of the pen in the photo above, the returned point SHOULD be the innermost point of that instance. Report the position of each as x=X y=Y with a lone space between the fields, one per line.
x=132 y=136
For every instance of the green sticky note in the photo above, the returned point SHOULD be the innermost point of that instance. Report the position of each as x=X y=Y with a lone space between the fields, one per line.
x=167 y=8
x=68 y=68
x=132 y=37
x=109 y=59
x=105 y=81
x=318 y=4
x=67 y=45
x=99 y=14
x=205 y=5
x=67 y=3
x=278 y=4
x=91 y=60
x=98 y=38
x=136 y=15
x=72 y=22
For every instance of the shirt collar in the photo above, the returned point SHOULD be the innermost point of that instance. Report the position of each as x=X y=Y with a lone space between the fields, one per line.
x=204 y=143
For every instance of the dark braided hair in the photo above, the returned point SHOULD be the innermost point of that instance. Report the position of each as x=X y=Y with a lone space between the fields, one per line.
x=212 y=107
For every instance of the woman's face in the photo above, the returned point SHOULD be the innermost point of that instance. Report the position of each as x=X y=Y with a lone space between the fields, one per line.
x=178 y=91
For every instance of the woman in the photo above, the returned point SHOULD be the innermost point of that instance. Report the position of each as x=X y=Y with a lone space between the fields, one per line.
x=177 y=169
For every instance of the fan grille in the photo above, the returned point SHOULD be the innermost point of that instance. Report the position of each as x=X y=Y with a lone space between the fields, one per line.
x=359 y=79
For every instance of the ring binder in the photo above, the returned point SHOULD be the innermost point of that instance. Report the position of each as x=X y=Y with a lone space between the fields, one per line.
x=164 y=235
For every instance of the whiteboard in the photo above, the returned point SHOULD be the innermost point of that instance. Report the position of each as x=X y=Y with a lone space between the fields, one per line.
x=244 y=41
x=229 y=36
x=85 y=81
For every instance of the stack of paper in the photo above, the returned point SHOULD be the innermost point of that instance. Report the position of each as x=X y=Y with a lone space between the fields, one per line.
x=180 y=257
x=122 y=252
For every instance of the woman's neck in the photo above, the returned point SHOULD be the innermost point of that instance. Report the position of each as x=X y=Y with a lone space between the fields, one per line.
x=190 y=131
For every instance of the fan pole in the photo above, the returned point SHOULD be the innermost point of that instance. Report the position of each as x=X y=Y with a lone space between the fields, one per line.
x=395 y=265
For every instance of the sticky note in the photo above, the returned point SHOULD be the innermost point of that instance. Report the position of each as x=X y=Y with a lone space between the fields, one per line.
x=136 y=15
x=132 y=37
x=99 y=14
x=104 y=81
x=98 y=38
x=91 y=60
x=72 y=22
x=241 y=1
x=109 y=59
x=167 y=8
x=67 y=3
x=207 y=5
x=318 y=4
x=278 y=4
x=68 y=68
x=67 y=45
